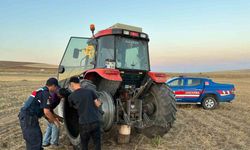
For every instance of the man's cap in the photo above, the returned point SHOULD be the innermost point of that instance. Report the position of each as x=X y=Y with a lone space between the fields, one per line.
x=74 y=79
x=52 y=81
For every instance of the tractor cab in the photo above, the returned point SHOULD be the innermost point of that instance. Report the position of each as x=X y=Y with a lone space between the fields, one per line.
x=121 y=47
x=124 y=46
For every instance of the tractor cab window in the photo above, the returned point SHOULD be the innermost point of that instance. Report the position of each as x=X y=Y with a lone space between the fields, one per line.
x=105 y=50
x=78 y=56
x=131 y=54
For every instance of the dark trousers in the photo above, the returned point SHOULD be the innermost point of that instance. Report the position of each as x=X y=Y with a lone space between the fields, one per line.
x=31 y=130
x=88 y=131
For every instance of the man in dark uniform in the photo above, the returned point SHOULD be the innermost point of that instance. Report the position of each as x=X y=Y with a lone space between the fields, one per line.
x=36 y=106
x=87 y=104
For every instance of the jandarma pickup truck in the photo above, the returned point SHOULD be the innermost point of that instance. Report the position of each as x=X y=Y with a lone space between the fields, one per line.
x=192 y=90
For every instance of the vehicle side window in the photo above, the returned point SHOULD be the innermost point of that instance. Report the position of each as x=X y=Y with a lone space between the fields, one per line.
x=105 y=50
x=177 y=82
x=193 y=82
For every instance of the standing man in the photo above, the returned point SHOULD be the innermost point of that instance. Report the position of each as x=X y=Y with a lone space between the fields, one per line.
x=36 y=106
x=87 y=104
x=51 y=136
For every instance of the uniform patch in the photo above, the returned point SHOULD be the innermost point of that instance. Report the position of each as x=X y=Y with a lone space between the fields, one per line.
x=48 y=102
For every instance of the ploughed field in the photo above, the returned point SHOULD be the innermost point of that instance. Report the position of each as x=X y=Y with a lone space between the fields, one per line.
x=227 y=127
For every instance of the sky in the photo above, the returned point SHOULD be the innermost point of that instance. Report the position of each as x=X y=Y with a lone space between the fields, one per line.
x=185 y=35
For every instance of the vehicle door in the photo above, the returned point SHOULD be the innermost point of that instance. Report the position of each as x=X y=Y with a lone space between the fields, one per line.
x=77 y=58
x=193 y=88
x=177 y=85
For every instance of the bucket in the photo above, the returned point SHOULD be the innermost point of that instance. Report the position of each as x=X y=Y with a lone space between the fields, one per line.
x=124 y=134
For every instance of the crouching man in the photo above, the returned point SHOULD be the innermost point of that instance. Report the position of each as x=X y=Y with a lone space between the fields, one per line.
x=86 y=103
x=36 y=106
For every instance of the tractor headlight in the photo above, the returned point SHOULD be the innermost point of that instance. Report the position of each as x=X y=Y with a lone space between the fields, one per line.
x=143 y=35
x=125 y=32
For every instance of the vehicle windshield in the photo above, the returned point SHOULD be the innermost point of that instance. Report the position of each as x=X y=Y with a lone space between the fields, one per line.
x=131 y=54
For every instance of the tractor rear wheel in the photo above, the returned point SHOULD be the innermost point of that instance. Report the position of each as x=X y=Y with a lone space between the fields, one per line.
x=71 y=125
x=71 y=118
x=161 y=110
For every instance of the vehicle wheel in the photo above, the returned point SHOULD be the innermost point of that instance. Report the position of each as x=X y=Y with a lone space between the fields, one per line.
x=161 y=110
x=71 y=118
x=71 y=124
x=209 y=102
x=108 y=110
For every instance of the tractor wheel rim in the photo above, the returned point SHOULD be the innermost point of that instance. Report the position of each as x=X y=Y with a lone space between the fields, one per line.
x=209 y=103
x=152 y=103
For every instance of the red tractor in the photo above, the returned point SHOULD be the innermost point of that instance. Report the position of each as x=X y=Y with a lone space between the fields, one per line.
x=115 y=64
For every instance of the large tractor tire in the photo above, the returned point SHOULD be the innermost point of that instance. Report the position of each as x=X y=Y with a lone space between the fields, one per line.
x=71 y=118
x=161 y=104
x=71 y=124
x=108 y=86
x=108 y=110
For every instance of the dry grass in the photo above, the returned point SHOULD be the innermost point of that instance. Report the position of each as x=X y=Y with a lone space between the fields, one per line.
x=25 y=71
x=227 y=127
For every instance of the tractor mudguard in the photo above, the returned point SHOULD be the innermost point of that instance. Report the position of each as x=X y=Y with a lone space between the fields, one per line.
x=106 y=73
x=158 y=77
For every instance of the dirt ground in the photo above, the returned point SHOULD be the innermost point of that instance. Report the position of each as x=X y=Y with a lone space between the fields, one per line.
x=227 y=127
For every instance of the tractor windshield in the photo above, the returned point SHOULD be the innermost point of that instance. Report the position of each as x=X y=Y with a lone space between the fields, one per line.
x=131 y=54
